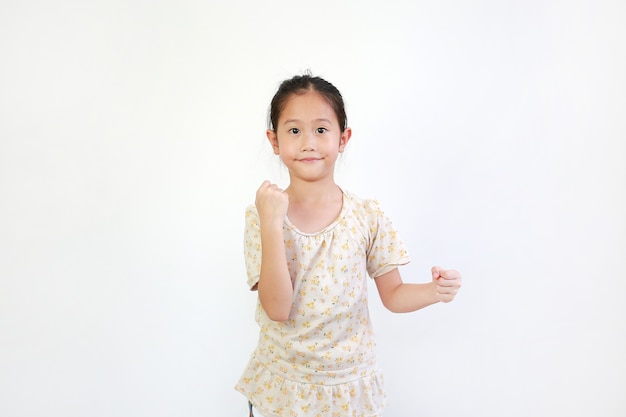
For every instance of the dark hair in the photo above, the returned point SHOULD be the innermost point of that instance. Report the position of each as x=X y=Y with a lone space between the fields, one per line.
x=301 y=84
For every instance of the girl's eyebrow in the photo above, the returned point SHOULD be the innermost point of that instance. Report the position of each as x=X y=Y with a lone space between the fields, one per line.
x=298 y=120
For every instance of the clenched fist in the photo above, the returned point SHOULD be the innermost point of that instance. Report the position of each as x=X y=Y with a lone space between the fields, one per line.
x=271 y=202
x=447 y=281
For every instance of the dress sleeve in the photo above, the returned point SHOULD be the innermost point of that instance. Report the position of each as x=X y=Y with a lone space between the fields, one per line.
x=252 y=247
x=386 y=250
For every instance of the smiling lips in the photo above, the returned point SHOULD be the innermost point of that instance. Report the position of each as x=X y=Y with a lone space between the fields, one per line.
x=309 y=160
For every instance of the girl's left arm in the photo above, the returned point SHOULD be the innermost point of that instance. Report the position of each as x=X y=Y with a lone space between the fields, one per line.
x=400 y=297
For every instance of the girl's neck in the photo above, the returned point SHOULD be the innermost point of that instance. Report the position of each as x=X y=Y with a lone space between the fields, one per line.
x=309 y=192
x=313 y=205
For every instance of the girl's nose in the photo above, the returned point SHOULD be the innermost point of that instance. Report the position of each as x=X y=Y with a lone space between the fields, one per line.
x=308 y=142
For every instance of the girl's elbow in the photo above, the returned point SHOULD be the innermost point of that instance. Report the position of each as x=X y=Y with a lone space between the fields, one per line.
x=279 y=315
x=392 y=307
x=276 y=312
x=389 y=302
x=276 y=304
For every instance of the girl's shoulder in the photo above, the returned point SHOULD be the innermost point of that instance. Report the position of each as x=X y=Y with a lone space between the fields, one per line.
x=362 y=205
x=360 y=201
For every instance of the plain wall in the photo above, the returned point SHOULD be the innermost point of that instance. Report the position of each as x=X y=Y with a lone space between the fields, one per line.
x=132 y=138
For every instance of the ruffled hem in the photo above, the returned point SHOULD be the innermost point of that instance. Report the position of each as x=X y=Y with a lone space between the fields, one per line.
x=275 y=395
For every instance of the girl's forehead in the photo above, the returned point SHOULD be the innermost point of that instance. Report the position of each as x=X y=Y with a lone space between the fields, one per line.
x=310 y=105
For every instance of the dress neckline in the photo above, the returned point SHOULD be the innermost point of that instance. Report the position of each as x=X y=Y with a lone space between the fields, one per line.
x=327 y=228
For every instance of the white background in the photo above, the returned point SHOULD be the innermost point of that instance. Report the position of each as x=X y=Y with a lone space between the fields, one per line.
x=132 y=138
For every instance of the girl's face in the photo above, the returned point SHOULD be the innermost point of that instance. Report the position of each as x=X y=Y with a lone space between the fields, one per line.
x=308 y=138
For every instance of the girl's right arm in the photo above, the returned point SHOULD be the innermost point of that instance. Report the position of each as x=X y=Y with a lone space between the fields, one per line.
x=275 y=287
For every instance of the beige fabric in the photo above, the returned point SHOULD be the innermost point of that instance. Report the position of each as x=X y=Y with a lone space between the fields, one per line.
x=321 y=361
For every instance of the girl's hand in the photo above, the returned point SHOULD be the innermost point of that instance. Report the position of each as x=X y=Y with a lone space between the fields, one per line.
x=447 y=282
x=271 y=202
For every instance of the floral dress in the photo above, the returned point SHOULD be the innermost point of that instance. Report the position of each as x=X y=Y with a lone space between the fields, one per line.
x=321 y=360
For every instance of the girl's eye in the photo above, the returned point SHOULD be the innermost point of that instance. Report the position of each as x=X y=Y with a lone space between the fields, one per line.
x=294 y=130
x=321 y=130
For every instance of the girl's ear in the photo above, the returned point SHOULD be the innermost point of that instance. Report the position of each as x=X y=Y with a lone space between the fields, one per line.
x=345 y=137
x=271 y=136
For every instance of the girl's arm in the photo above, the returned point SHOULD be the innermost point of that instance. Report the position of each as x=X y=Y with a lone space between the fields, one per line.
x=399 y=297
x=275 y=286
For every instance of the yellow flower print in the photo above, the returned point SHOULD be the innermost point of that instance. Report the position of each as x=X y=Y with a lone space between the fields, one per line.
x=330 y=276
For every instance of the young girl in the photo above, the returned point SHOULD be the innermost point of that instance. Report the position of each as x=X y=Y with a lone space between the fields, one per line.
x=308 y=250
